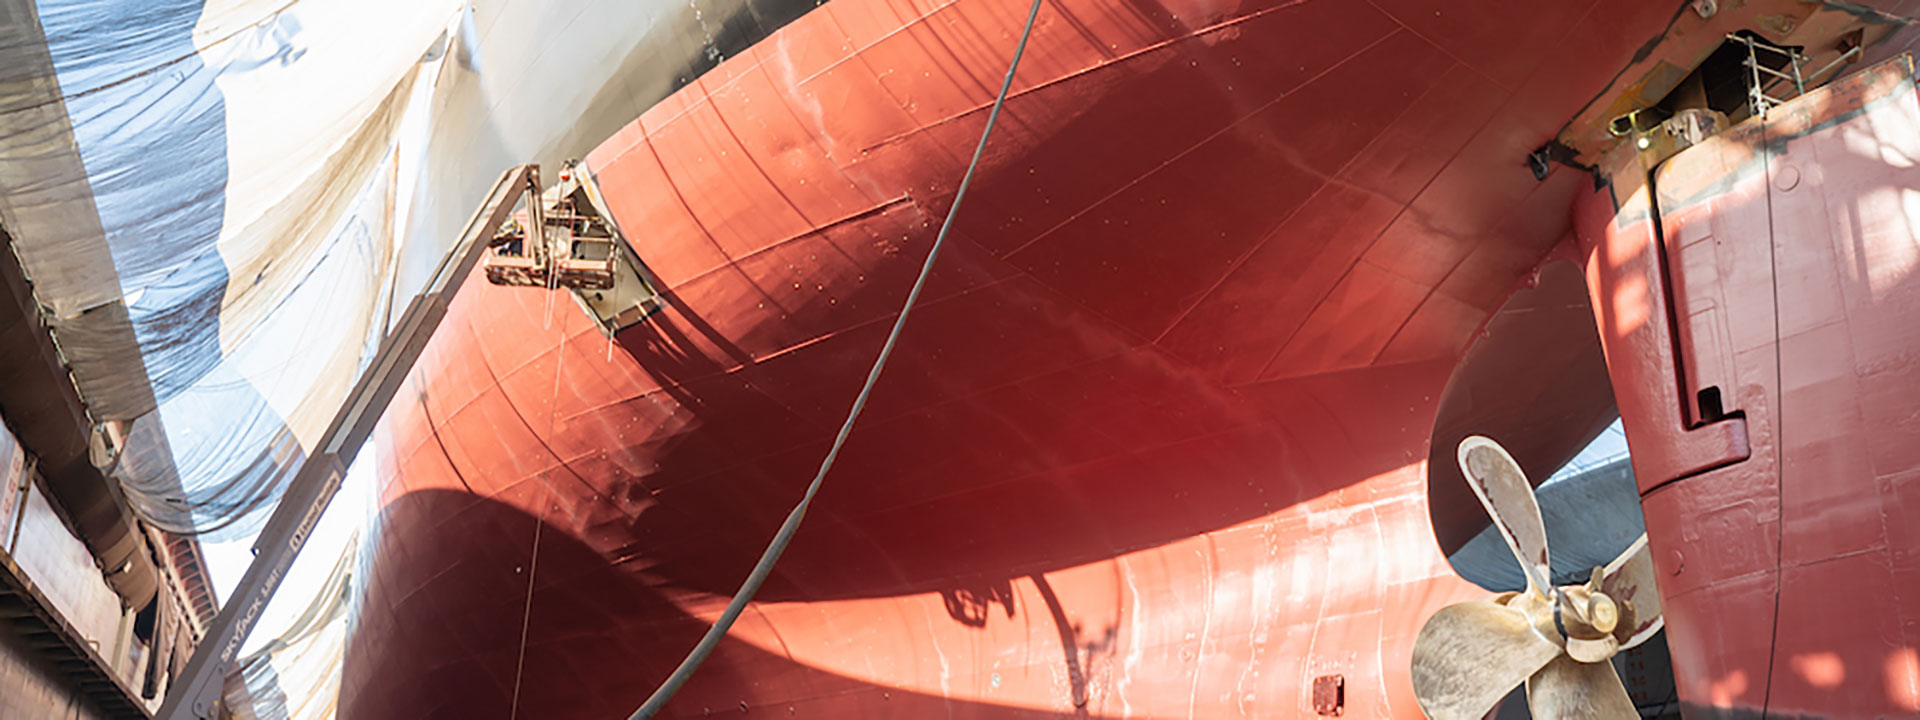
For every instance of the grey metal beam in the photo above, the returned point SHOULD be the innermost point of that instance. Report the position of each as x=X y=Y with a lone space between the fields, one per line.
x=40 y=628
x=46 y=413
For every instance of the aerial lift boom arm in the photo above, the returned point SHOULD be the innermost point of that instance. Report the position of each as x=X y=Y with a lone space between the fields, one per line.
x=196 y=693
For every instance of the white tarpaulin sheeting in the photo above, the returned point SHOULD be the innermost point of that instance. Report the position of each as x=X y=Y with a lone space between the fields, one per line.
x=204 y=198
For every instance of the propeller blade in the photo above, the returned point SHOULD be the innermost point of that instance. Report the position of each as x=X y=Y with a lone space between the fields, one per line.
x=1470 y=654
x=1592 y=651
x=1630 y=578
x=1567 y=689
x=1508 y=497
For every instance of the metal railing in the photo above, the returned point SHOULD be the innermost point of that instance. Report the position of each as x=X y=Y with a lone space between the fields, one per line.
x=1761 y=79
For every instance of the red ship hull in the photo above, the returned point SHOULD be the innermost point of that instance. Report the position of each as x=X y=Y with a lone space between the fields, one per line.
x=1156 y=441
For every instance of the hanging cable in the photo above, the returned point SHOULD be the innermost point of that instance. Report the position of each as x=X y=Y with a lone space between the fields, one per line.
x=526 y=612
x=787 y=529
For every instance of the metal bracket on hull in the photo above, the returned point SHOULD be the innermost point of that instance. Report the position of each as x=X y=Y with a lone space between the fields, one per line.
x=196 y=692
x=1541 y=161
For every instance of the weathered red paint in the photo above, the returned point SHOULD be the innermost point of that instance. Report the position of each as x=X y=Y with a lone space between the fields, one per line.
x=1789 y=577
x=1630 y=283
x=1152 y=446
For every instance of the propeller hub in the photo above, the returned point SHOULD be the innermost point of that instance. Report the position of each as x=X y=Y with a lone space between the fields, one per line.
x=1603 y=613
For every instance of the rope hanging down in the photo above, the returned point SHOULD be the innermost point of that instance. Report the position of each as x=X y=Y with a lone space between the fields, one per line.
x=754 y=579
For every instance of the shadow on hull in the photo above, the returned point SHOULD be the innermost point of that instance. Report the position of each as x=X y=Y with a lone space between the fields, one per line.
x=592 y=641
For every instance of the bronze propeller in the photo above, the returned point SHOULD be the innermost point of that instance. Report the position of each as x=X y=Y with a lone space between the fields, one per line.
x=1557 y=640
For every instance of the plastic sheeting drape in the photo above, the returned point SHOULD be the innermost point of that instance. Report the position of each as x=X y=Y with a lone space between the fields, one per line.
x=204 y=196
